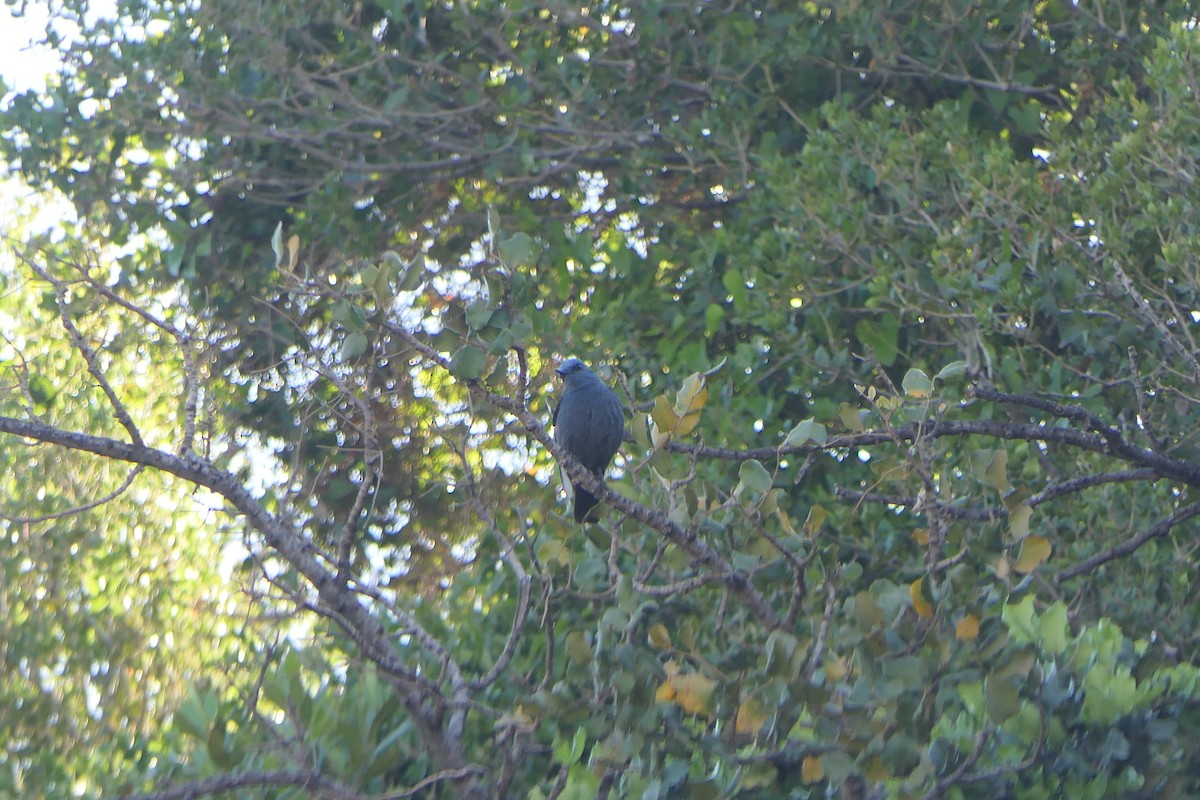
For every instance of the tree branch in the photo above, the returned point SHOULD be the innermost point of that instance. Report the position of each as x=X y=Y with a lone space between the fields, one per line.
x=1160 y=528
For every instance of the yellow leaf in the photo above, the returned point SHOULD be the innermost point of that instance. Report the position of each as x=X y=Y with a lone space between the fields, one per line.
x=835 y=668
x=920 y=604
x=967 y=628
x=641 y=429
x=811 y=770
x=816 y=518
x=692 y=395
x=660 y=638
x=665 y=693
x=693 y=693
x=689 y=400
x=877 y=771
x=293 y=247
x=658 y=437
x=921 y=536
x=689 y=420
x=1003 y=568
x=849 y=416
x=1018 y=521
x=1034 y=550
x=751 y=717
x=997 y=470
x=664 y=418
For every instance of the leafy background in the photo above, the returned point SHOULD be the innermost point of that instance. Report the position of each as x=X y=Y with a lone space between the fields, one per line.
x=901 y=300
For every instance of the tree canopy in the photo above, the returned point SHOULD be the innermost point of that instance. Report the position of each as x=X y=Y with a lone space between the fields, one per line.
x=901 y=300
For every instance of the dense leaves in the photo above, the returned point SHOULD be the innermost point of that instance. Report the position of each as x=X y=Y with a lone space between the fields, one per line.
x=901 y=297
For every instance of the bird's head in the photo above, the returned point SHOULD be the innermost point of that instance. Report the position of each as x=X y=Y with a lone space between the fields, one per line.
x=572 y=366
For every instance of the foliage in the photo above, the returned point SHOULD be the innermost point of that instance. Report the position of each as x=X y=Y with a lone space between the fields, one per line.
x=111 y=590
x=901 y=297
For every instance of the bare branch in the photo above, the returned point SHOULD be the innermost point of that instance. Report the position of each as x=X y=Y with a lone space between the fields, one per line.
x=1160 y=528
x=89 y=355
x=79 y=509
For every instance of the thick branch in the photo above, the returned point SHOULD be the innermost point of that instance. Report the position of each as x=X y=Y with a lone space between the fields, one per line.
x=417 y=690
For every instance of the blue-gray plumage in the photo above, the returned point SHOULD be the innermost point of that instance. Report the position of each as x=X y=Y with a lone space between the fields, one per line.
x=589 y=424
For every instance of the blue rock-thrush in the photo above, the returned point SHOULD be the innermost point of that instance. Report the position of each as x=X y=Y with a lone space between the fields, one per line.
x=589 y=424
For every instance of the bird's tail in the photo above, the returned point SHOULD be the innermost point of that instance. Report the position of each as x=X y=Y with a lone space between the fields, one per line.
x=585 y=501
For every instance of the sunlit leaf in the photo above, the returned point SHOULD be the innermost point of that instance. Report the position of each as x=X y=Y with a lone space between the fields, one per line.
x=1034 y=551
x=1054 y=629
x=967 y=628
x=691 y=691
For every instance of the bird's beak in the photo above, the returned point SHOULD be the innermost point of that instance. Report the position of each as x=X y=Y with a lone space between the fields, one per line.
x=560 y=372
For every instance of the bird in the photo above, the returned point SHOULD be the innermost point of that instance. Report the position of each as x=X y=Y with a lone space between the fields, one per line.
x=589 y=424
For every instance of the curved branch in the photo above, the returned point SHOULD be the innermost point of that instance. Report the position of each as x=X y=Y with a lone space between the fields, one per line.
x=421 y=695
x=1160 y=528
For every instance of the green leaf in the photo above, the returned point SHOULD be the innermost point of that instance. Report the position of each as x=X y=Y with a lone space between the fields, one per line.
x=880 y=336
x=411 y=275
x=517 y=250
x=468 y=362
x=1053 y=628
x=997 y=471
x=851 y=417
x=735 y=284
x=714 y=315
x=804 y=432
x=754 y=476
x=1020 y=619
x=354 y=346
x=382 y=283
x=502 y=342
x=917 y=384
x=277 y=245
x=1003 y=699
x=951 y=370
x=479 y=313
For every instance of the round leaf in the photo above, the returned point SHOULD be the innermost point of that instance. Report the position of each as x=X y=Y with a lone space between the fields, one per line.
x=468 y=363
